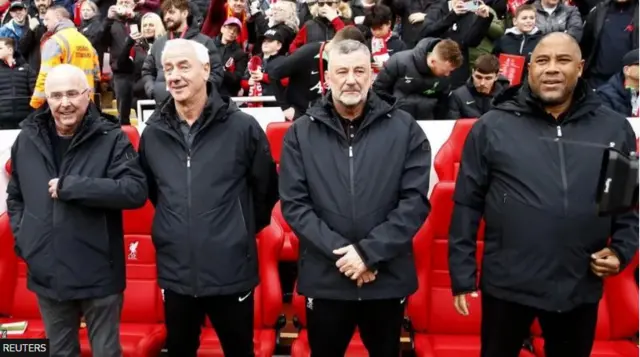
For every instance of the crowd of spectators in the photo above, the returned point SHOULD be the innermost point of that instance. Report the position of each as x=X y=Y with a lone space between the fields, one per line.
x=441 y=59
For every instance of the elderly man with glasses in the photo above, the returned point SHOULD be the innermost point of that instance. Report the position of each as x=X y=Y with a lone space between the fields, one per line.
x=73 y=173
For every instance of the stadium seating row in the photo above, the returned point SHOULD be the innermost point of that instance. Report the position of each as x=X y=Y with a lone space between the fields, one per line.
x=436 y=329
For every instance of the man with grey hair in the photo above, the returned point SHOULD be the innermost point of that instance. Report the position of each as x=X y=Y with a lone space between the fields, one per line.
x=73 y=172
x=213 y=183
x=354 y=178
x=181 y=24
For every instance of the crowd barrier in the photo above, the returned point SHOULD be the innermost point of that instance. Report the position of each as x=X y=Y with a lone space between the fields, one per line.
x=437 y=132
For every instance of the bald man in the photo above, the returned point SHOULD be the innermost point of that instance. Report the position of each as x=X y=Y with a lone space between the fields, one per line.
x=546 y=249
x=73 y=173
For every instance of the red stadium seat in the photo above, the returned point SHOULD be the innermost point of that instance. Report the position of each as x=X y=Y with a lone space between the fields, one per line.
x=288 y=253
x=437 y=329
x=447 y=160
x=7 y=167
x=617 y=318
x=267 y=300
x=16 y=302
x=275 y=133
x=133 y=134
x=142 y=331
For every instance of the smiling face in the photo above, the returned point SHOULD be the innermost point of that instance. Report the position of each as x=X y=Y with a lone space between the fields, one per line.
x=556 y=64
x=68 y=96
x=185 y=74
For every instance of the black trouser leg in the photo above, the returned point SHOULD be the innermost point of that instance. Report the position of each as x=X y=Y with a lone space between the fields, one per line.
x=232 y=318
x=123 y=84
x=330 y=326
x=504 y=327
x=183 y=317
x=380 y=325
x=569 y=334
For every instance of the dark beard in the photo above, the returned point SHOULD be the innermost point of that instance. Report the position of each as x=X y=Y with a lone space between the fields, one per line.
x=174 y=27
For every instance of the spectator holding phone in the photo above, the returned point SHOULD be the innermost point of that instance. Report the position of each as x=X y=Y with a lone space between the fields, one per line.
x=135 y=51
x=121 y=22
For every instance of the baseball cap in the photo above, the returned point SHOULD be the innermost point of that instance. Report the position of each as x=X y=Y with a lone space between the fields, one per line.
x=274 y=35
x=631 y=58
x=233 y=21
x=17 y=5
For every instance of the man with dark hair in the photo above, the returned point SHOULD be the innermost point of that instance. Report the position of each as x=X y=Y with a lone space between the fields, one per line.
x=180 y=23
x=474 y=98
x=418 y=77
x=546 y=249
x=370 y=161
x=305 y=69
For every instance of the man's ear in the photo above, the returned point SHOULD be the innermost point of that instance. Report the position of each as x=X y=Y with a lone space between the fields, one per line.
x=207 y=70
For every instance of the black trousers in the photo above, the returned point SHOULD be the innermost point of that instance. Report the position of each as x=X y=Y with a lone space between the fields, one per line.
x=506 y=324
x=231 y=316
x=123 y=85
x=331 y=324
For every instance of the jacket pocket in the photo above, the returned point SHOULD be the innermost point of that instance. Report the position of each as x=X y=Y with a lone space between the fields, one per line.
x=528 y=247
x=31 y=238
x=222 y=246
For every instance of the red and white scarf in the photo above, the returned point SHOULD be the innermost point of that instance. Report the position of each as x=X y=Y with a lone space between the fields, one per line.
x=255 y=90
x=379 y=50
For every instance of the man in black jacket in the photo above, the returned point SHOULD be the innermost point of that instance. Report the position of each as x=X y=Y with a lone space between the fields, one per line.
x=546 y=249
x=213 y=183
x=180 y=23
x=16 y=86
x=620 y=93
x=474 y=99
x=73 y=172
x=418 y=77
x=354 y=182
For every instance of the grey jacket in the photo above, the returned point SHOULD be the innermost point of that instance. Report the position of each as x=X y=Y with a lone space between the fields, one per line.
x=564 y=18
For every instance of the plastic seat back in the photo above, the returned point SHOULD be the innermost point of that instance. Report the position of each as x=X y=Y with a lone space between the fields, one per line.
x=447 y=160
x=133 y=134
x=431 y=307
x=142 y=296
x=8 y=266
x=275 y=134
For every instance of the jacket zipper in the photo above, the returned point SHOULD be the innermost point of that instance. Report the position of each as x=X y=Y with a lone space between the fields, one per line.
x=563 y=170
x=194 y=271
x=352 y=194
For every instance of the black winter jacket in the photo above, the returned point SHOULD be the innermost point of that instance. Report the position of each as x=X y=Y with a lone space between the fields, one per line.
x=370 y=192
x=615 y=96
x=29 y=45
x=537 y=194
x=407 y=77
x=211 y=197
x=16 y=88
x=466 y=102
x=115 y=36
x=155 y=85
x=234 y=60
x=73 y=245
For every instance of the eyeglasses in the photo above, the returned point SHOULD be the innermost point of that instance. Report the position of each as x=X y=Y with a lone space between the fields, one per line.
x=327 y=3
x=70 y=94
